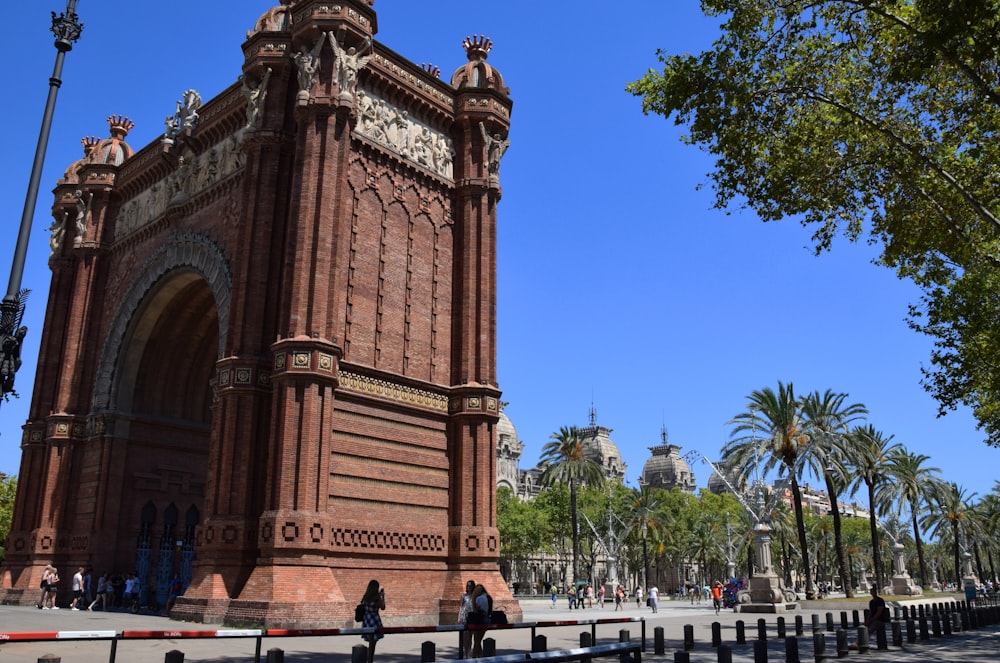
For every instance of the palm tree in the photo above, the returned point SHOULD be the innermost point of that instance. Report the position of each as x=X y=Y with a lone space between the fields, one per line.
x=951 y=513
x=869 y=454
x=827 y=420
x=777 y=417
x=565 y=461
x=645 y=505
x=912 y=482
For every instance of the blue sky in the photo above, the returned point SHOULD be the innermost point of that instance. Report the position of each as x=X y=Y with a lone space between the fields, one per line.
x=619 y=285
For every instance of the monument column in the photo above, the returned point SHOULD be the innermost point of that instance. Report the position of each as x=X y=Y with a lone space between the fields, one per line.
x=482 y=121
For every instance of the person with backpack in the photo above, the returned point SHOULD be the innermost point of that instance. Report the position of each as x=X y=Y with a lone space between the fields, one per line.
x=372 y=601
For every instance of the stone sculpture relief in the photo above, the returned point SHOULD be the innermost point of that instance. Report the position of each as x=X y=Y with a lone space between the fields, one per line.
x=185 y=116
x=307 y=62
x=349 y=61
x=193 y=175
x=394 y=129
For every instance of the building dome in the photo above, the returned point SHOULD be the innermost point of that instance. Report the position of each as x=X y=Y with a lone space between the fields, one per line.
x=113 y=151
x=599 y=448
x=666 y=469
x=509 y=450
x=476 y=73
x=718 y=485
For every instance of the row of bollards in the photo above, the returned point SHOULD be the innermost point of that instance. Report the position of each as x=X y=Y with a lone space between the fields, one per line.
x=921 y=622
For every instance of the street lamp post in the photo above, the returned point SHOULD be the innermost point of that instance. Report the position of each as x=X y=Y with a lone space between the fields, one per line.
x=67 y=29
x=645 y=557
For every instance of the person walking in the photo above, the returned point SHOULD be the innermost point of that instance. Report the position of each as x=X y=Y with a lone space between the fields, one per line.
x=77 y=589
x=717 y=596
x=638 y=597
x=373 y=601
x=654 y=598
x=619 y=598
x=102 y=593
x=600 y=597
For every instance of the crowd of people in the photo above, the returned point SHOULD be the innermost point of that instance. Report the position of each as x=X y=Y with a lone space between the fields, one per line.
x=111 y=591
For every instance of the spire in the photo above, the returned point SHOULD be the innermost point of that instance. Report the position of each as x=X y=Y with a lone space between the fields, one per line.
x=477 y=47
x=593 y=414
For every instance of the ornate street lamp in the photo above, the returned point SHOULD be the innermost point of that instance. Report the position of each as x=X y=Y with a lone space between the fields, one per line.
x=67 y=29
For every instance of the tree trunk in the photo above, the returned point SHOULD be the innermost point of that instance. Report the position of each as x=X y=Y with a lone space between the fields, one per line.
x=958 y=565
x=574 y=523
x=920 y=549
x=876 y=548
x=800 y=524
x=838 y=538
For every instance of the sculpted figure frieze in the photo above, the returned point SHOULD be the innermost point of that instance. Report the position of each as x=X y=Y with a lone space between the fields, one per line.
x=394 y=129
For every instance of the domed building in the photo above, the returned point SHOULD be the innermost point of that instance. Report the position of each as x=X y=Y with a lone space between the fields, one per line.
x=666 y=469
x=597 y=441
x=509 y=450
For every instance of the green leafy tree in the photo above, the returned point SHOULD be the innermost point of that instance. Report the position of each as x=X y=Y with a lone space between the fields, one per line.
x=524 y=528
x=565 y=460
x=873 y=119
x=8 y=489
x=770 y=435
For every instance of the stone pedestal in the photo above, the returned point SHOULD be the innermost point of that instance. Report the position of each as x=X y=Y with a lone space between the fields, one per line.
x=902 y=584
x=765 y=593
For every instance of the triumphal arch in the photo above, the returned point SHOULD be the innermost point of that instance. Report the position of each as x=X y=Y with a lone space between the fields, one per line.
x=269 y=357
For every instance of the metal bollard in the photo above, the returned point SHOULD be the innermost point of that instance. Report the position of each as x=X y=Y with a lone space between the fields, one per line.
x=688 y=637
x=725 y=654
x=799 y=625
x=897 y=612
x=863 y=639
x=741 y=632
x=781 y=628
x=428 y=652
x=682 y=657
x=946 y=623
x=819 y=646
x=855 y=620
x=359 y=654
x=760 y=651
x=936 y=624
x=278 y=655
x=830 y=627
x=911 y=631
x=815 y=621
x=658 y=646
x=792 y=650
x=584 y=643
x=880 y=637
x=173 y=656
x=49 y=658
x=762 y=629
x=841 y=643
x=489 y=647
x=716 y=634
x=956 y=622
x=624 y=635
x=897 y=634
x=924 y=635
x=539 y=644
x=843 y=619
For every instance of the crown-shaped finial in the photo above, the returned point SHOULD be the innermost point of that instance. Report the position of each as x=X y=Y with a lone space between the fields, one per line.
x=431 y=69
x=120 y=125
x=477 y=47
x=89 y=143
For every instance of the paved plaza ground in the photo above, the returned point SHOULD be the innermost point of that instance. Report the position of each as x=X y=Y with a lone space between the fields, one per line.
x=980 y=645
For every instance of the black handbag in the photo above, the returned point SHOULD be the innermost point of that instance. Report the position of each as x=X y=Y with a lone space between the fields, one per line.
x=359 y=612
